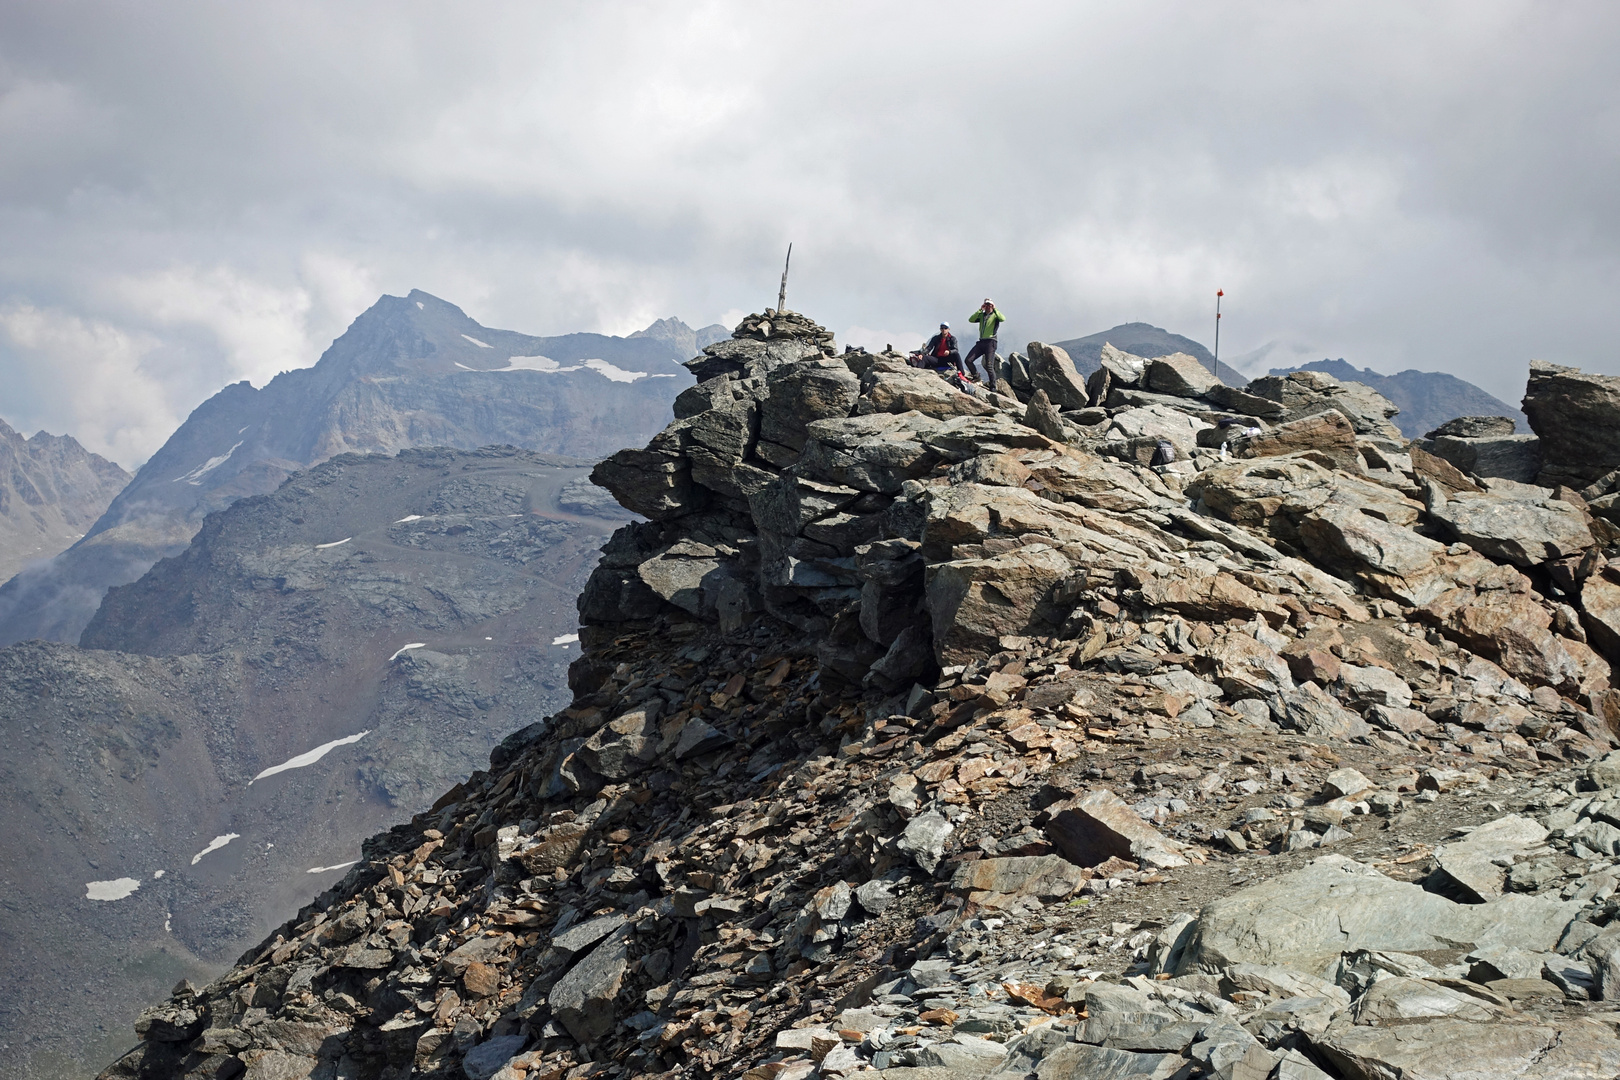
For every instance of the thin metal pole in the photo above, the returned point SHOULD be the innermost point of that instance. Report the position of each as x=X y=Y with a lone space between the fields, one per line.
x=781 y=295
x=1218 y=294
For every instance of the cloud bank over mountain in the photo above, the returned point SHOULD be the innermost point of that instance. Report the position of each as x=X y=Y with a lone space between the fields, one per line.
x=197 y=194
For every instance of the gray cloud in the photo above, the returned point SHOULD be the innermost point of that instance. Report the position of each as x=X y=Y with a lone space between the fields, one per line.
x=196 y=193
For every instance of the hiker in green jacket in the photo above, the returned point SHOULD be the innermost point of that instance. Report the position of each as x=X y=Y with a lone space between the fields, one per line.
x=989 y=320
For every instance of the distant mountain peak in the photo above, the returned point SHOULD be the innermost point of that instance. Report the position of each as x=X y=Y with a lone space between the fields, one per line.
x=51 y=490
x=409 y=371
x=1427 y=398
x=1143 y=339
x=683 y=337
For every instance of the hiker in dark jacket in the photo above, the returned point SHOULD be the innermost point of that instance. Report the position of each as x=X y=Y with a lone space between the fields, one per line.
x=989 y=320
x=941 y=350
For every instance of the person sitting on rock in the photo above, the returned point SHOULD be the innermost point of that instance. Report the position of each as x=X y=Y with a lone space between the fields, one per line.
x=941 y=350
x=989 y=320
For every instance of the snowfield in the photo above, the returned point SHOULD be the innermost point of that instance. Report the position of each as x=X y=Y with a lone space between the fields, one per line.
x=309 y=757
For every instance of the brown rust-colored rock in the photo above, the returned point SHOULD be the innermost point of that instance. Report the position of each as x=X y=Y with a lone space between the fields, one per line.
x=1327 y=433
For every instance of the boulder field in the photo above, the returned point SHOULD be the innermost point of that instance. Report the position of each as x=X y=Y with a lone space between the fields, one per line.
x=1122 y=726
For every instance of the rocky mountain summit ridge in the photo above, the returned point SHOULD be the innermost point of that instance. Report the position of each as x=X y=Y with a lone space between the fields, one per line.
x=960 y=735
x=51 y=490
x=410 y=371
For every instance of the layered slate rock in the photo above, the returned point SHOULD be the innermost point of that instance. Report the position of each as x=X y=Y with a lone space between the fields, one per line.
x=1573 y=414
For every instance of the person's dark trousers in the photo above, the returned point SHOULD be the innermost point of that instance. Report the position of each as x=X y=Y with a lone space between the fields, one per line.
x=939 y=363
x=985 y=347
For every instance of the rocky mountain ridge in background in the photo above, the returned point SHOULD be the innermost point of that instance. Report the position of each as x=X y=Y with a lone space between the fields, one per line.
x=683 y=338
x=51 y=491
x=1426 y=399
x=1144 y=339
x=961 y=735
x=410 y=371
x=317 y=663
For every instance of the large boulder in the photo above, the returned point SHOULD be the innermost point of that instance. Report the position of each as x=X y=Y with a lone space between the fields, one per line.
x=1159 y=422
x=976 y=602
x=1600 y=612
x=1181 y=375
x=1460 y=1048
x=1474 y=427
x=1468 y=870
x=1099 y=825
x=655 y=482
x=1509 y=626
x=894 y=388
x=1044 y=417
x=1577 y=417
x=1327 y=433
x=1525 y=530
x=1511 y=457
x=1302 y=393
x=1002 y=882
x=1051 y=370
x=1123 y=368
x=1305 y=919
x=582 y=1000
x=878 y=452
x=803 y=393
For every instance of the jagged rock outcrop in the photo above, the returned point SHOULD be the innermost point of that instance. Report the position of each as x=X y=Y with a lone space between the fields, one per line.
x=1486 y=446
x=1572 y=413
x=410 y=371
x=910 y=737
x=51 y=491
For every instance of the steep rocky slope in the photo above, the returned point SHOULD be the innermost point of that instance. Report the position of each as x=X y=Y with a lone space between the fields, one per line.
x=410 y=371
x=941 y=735
x=1426 y=399
x=51 y=491
x=371 y=628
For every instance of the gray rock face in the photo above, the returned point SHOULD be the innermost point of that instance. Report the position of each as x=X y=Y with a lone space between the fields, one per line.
x=1302 y=393
x=488 y=1058
x=1522 y=531
x=52 y=490
x=997 y=882
x=411 y=371
x=1436 y=1048
x=1078 y=1061
x=1574 y=414
x=1181 y=375
x=1052 y=372
x=924 y=839
x=582 y=1000
x=1305 y=919
x=1468 y=870
x=1510 y=457
x=1474 y=427
x=1099 y=825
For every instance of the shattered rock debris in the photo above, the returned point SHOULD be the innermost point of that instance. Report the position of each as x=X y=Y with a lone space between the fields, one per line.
x=940 y=735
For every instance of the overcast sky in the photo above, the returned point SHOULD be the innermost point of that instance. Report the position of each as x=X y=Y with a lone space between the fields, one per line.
x=196 y=193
